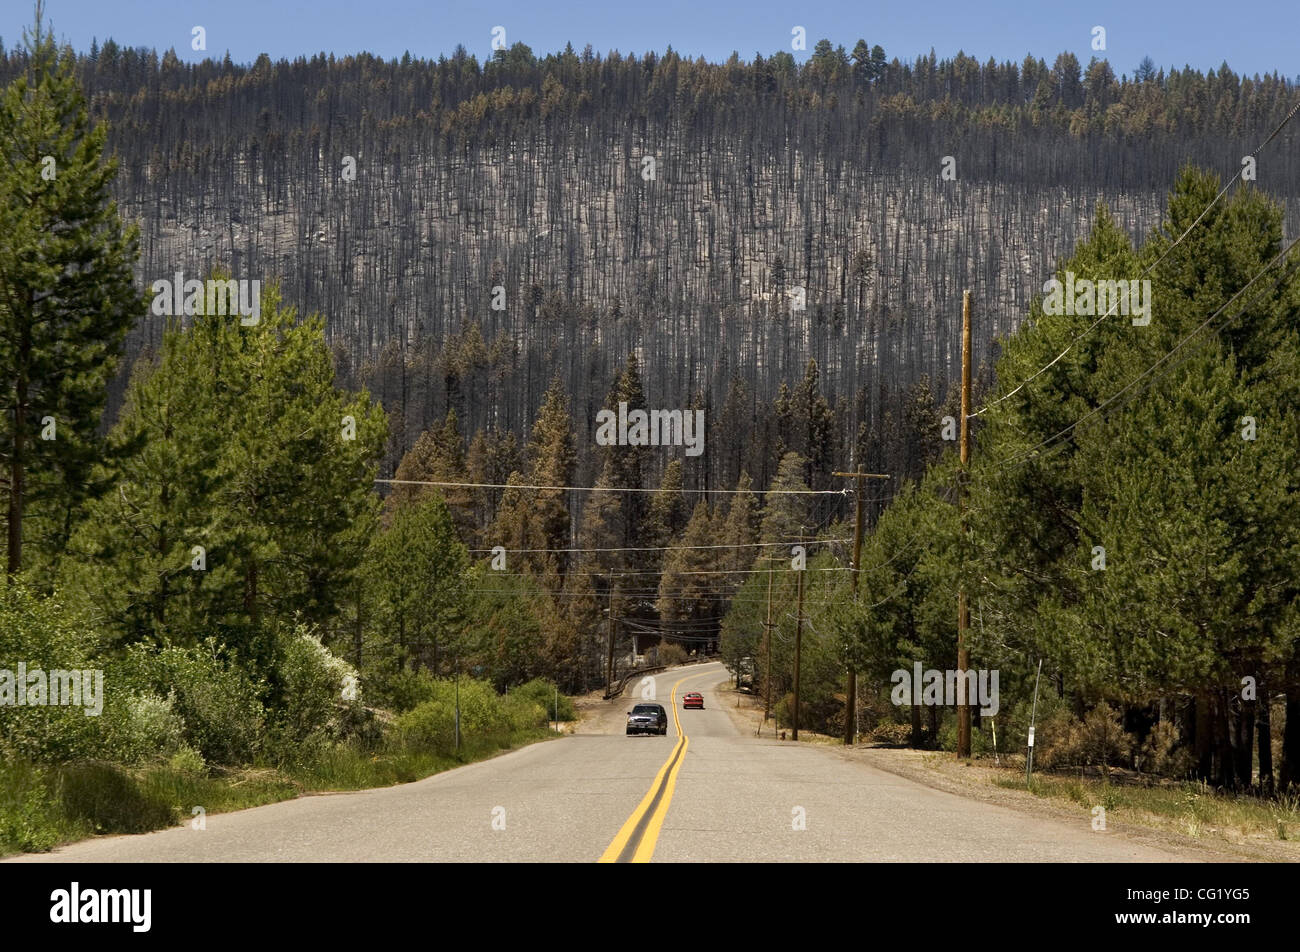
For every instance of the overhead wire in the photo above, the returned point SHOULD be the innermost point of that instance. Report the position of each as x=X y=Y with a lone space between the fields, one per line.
x=1151 y=267
x=663 y=548
x=1029 y=453
x=611 y=489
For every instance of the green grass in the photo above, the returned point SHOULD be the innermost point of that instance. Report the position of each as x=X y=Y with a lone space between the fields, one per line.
x=1192 y=809
x=346 y=768
x=44 y=807
x=218 y=792
x=31 y=819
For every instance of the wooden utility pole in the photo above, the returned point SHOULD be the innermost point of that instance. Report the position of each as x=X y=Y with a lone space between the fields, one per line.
x=851 y=701
x=609 y=662
x=767 y=646
x=963 y=609
x=798 y=644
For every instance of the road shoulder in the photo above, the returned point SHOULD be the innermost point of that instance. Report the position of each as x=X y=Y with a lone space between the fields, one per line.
x=977 y=781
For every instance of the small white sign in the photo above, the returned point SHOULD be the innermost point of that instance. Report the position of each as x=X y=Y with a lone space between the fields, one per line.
x=1031 y=737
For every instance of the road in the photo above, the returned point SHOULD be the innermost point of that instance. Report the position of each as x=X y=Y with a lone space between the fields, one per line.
x=705 y=792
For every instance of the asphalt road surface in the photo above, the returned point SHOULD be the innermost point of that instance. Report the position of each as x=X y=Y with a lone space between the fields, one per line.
x=705 y=792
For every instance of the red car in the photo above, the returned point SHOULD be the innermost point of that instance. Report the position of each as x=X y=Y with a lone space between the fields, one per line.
x=693 y=699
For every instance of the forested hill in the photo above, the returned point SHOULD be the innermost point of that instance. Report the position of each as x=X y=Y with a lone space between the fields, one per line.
x=530 y=174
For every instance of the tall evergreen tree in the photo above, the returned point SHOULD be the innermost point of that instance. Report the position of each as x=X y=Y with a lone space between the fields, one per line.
x=786 y=513
x=688 y=582
x=813 y=427
x=492 y=457
x=668 y=513
x=438 y=456
x=66 y=295
x=1151 y=554
x=415 y=573
x=741 y=530
x=553 y=456
x=253 y=455
x=624 y=466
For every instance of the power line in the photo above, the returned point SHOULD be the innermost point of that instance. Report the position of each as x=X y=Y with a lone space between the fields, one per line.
x=903 y=581
x=687 y=626
x=698 y=624
x=902 y=584
x=662 y=548
x=1028 y=454
x=897 y=590
x=614 y=489
x=618 y=573
x=1143 y=274
x=900 y=551
x=646 y=594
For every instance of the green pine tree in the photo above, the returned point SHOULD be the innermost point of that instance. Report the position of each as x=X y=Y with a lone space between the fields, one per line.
x=689 y=582
x=552 y=455
x=251 y=454
x=66 y=297
x=786 y=512
x=741 y=532
x=415 y=572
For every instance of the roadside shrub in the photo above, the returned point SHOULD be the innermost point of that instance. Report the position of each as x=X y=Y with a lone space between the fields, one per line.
x=143 y=727
x=220 y=706
x=1102 y=738
x=359 y=726
x=40 y=634
x=401 y=691
x=1163 y=752
x=428 y=726
x=895 y=735
x=541 y=691
x=1057 y=739
x=484 y=715
x=671 y=654
x=522 y=714
x=312 y=681
x=188 y=761
x=480 y=708
x=1064 y=741
x=781 y=710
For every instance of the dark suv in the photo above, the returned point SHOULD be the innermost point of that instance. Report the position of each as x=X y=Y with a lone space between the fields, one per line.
x=647 y=719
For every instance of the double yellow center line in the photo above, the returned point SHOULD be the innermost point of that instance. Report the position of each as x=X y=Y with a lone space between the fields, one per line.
x=635 y=842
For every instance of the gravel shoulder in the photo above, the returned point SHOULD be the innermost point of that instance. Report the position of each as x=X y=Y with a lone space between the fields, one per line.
x=977 y=780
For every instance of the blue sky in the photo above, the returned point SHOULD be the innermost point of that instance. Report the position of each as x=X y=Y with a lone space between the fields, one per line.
x=1258 y=36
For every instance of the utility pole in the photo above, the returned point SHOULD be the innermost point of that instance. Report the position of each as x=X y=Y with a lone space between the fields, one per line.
x=356 y=637
x=963 y=608
x=767 y=647
x=1033 y=716
x=851 y=701
x=798 y=645
x=609 y=662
